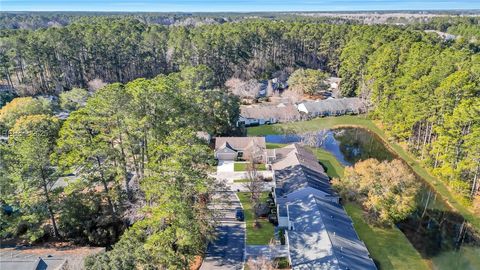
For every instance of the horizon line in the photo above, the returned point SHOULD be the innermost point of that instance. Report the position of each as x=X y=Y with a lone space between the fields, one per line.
x=254 y=11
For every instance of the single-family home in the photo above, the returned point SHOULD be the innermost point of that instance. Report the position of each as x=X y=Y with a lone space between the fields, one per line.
x=321 y=236
x=246 y=148
x=318 y=232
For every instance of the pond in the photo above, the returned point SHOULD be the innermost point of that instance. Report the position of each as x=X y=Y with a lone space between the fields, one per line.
x=439 y=234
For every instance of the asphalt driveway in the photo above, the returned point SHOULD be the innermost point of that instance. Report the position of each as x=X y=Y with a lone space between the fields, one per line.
x=227 y=251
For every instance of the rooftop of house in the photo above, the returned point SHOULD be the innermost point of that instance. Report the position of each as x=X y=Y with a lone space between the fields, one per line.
x=48 y=257
x=296 y=154
x=239 y=143
x=323 y=237
x=333 y=105
x=298 y=168
x=297 y=177
x=321 y=234
x=280 y=112
x=33 y=264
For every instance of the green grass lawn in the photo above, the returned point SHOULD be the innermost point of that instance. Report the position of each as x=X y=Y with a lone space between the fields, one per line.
x=363 y=122
x=388 y=246
x=275 y=145
x=241 y=181
x=468 y=260
x=333 y=168
x=242 y=166
x=256 y=236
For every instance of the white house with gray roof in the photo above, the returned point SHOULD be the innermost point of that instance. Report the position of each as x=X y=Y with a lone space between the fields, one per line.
x=319 y=234
x=332 y=107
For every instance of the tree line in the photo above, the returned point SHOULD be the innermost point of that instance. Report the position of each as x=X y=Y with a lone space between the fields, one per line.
x=128 y=159
x=120 y=50
x=427 y=96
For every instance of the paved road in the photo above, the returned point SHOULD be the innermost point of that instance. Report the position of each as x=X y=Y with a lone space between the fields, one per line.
x=228 y=249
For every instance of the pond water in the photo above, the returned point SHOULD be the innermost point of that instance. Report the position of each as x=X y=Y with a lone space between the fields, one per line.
x=439 y=234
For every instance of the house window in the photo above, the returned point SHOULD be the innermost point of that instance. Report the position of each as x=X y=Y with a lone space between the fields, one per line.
x=240 y=154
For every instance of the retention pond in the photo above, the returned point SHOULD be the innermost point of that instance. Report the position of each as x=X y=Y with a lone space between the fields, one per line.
x=439 y=234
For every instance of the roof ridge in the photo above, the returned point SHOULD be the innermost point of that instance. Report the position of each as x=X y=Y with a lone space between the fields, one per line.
x=324 y=224
x=317 y=199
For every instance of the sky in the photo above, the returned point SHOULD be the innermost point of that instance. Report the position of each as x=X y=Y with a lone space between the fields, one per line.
x=233 y=5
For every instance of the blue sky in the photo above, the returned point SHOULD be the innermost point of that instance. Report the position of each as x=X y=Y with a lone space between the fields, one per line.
x=233 y=5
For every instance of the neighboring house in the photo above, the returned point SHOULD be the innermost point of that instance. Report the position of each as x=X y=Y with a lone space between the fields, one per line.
x=233 y=148
x=45 y=258
x=319 y=234
x=262 y=92
x=445 y=36
x=251 y=122
x=332 y=107
x=34 y=264
x=334 y=85
x=264 y=114
x=279 y=84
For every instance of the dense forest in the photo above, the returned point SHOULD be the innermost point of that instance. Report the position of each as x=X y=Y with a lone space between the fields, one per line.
x=424 y=90
x=132 y=159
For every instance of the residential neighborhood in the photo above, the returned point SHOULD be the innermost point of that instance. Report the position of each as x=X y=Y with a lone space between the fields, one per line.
x=317 y=231
x=240 y=135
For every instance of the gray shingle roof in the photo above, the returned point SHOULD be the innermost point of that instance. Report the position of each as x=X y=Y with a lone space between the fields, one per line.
x=335 y=106
x=293 y=178
x=323 y=237
x=240 y=143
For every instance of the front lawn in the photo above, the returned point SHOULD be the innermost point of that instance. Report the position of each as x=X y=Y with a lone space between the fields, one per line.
x=242 y=181
x=256 y=236
x=242 y=166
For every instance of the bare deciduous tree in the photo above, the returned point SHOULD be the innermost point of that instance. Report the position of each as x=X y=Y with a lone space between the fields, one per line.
x=95 y=84
x=255 y=182
x=260 y=263
x=244 y=89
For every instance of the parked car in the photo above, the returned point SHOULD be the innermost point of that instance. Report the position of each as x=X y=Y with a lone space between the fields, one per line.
x=239 y=214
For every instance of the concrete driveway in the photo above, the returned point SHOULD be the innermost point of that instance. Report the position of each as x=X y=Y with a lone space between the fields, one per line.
x=227 y=251
x=225 y=167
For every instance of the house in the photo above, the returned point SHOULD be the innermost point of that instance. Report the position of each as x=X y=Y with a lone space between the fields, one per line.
x=297 y=173
x=332 y=107
x=334 y=86
x=318 y=232
x=46 y=257
x=251 y=122
x=233 y=148
x=264 y=114
x=445 y=36
x=322 y=236
x=34 y=264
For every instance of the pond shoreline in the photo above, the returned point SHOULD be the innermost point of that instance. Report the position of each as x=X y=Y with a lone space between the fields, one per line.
x=366 y=124
x=397 y=156
x=429 y=230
